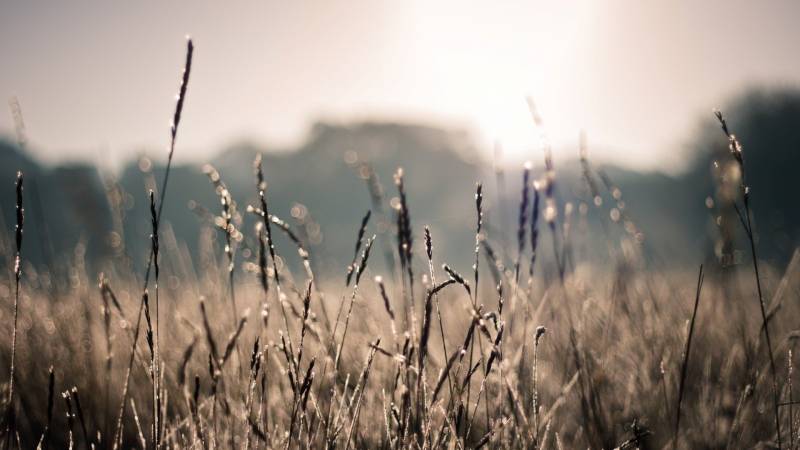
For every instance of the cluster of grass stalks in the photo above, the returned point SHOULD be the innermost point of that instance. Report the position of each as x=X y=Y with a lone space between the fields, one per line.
x=563 y=356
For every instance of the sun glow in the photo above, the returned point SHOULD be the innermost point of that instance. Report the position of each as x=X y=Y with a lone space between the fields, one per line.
x=488 y=72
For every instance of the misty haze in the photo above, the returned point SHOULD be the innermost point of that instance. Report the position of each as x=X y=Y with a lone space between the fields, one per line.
x=427 y=225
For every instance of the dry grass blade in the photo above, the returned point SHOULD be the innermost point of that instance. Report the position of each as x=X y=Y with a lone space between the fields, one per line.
x=459 y=353
x=359 y=272
x=360 y=386
x=432 y=274
x=173 y=133
x=51 y=388
x=523 y=219
x=81 y=419
x=456 y=277
x=735 y=148
x=426 y=327
x=540 y=332
x=489 y=434
x=496 y=266
x=212 y=343
x=155 y=349
x=187 y=356
x=70 y=417
x=534 y=230
x=232 y=340
x=264 y=212
x=304 y=325
x=478 y=237
x=176 y=118
x=126 y=385
x=361 y=230
x=10 y=413
x=685 y=363
x=404 y=234
x=387 y=305
x=226 y=222
x=153 y=366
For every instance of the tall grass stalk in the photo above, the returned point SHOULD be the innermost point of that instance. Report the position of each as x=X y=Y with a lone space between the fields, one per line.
x=735 y=148
x=685 y=363
x=10 y=431
x=262 y=198
x=540 y=332
x=156 y=350
x=162 y=195
x=429 y=254
x=359 y=241
x=523 y=219
x=104 y=295
x=359 y=272
x=405 y=249
x=360 y=387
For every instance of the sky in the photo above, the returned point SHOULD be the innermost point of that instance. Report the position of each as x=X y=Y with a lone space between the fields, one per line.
x=96 y=79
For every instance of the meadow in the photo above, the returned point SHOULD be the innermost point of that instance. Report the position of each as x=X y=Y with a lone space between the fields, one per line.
x=524 y=345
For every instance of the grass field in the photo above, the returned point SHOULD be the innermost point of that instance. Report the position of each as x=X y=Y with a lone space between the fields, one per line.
x=510 y=349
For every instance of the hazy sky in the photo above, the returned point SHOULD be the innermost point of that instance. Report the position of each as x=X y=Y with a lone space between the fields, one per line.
x=96 y=78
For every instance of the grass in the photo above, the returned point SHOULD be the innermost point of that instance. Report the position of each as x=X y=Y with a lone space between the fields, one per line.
x=684 y=364
x=568 y=355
